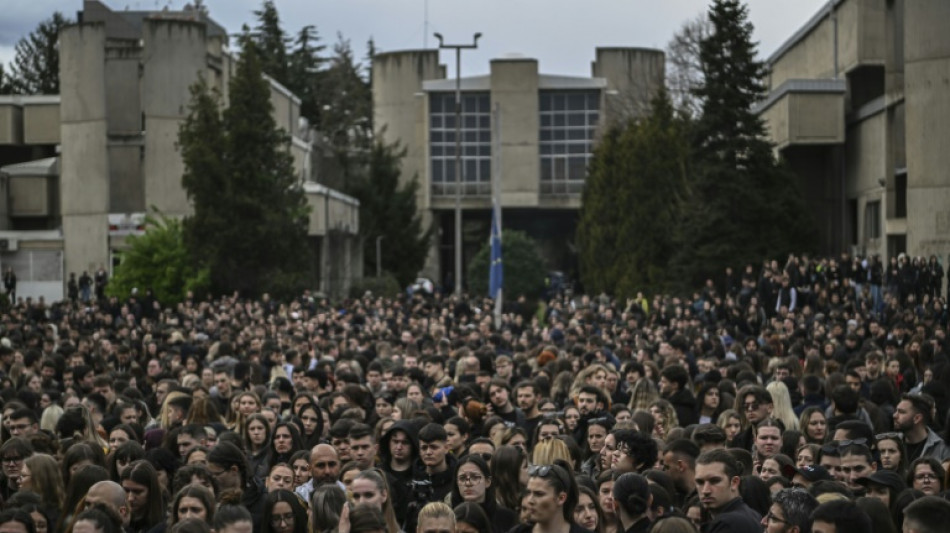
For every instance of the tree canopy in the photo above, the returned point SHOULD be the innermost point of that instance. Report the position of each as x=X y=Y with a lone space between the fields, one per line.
x=523 y=264
x=35 y=66
x=249 y=225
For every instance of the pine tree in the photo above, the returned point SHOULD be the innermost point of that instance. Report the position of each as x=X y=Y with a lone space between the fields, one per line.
x=35 y=67
x=303 y=72
x=743 y=205
x=347 y=101
x=272 y=43
x=257 y=241
x=388 y=209
x=5 y=87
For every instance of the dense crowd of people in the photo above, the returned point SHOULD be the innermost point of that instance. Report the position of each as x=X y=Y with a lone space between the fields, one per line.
x=805 y=397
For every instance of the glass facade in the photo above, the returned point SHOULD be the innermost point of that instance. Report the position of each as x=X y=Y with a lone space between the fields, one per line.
x=568 y=126
x=476 y=143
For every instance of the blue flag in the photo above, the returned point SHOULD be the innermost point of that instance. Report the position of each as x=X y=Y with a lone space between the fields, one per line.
x=496 y=274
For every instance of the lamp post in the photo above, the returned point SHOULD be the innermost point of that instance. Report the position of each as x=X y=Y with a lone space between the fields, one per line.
x=458 y=152
x=379 y=256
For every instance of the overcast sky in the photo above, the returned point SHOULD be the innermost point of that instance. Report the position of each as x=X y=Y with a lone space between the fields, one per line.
x=561 y=34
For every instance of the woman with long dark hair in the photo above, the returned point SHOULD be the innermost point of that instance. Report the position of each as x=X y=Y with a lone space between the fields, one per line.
x=311 y=422
x=507 y=465
x=146 y=504
x=473 y=483
x=284 y=512
x=285 y=441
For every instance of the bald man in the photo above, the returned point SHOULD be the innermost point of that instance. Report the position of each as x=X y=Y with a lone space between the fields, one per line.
x=324 y=469
x=109 y=494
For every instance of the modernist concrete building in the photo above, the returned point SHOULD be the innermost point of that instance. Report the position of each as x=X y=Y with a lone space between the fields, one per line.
x=535 y=131
x=82 y=168
x=860 y=108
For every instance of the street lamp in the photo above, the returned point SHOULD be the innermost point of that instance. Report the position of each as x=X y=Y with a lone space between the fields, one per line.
x=458 y=152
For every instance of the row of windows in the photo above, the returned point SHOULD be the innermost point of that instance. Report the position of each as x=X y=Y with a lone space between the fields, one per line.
x=568 y=125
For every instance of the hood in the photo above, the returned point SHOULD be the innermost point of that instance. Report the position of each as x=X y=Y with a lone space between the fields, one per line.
x=411 y=429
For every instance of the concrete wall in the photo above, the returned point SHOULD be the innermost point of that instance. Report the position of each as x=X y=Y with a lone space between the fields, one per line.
x=30 y=196
x=176 y=55
x=806 y=118
x=124 y=98
x=514 y=88
x=926 y=75
x=634 y=76
x=399 y=114
x=41 y=123
x=84 y=176
x=11 y=122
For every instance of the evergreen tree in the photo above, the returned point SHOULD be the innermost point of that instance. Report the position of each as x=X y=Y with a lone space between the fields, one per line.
x=743 y=205
x=631 y=204
x=259 y=217
x=303 y=72
x=5 y=87
x=347 y=117
x=388 y=209
x=35 y=67
x=272 y=43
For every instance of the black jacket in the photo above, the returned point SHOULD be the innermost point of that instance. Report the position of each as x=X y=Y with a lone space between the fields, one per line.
x=735 y=517
x=685 y=405
x=400 y=482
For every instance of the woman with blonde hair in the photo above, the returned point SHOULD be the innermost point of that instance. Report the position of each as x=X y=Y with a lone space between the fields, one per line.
x=730 y=422
x=77 y=423
x=782 y=405
x=164 y=415
x=643 y=395
x=50 y=417
x=664 y=417
x=594 y=374
x=370 y=482
x=550 y=450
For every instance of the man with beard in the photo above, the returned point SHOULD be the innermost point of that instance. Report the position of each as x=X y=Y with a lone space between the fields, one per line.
x=527 y=394
x=324 y=470
x=912 y=416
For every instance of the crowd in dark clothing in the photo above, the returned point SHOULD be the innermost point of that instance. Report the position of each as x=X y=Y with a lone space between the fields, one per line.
x=813 y=391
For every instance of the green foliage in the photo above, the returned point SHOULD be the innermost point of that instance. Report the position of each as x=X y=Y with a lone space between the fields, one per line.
x=35 y=67
x=249 y=227
x=743 y=206
x=631 y=204
x=158 y=260
x=524 y=267
x=302 y=75
x=389 y=209
x=347 y=106
x=385 y=285
x=272 y=43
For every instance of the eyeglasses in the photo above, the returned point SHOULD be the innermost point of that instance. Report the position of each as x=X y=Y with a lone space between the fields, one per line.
x=13 y=460
x=277 y=519
x=772 y=518
x=926 y=476
x=892 y=435
x=470 y=479
x=751 y=406
x=485 y=455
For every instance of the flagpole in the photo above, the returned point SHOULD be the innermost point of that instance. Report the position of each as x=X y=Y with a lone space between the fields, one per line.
x=496 y=199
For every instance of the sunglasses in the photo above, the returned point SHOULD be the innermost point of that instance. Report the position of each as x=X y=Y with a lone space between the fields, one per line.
x=846 y=443
x=545 y=471
x=891 y=435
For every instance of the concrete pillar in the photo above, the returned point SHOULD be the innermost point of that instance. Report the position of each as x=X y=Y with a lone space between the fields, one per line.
x=926 y=79
x=174 y=55
x=634 y=76
x=84 y=171
x=514 y=88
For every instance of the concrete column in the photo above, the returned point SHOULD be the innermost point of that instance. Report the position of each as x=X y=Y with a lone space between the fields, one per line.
x=175 y=54
x=926 y=75
x=514 y=88
x=634 y=76
x=84 y=171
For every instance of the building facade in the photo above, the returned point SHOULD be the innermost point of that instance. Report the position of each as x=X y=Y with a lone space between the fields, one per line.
x=534 y=132
x=859 y=107
x=84 y=167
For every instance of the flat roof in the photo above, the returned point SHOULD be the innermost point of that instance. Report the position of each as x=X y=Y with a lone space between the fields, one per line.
x=545 y=81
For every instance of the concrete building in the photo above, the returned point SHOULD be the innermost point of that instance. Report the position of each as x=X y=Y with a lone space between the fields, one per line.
x=535 y=131
x=82 y=168
x=859 y=107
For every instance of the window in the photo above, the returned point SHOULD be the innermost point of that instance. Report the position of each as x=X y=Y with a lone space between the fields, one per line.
x=475 y=145
x=568 y=124
x=872 y=220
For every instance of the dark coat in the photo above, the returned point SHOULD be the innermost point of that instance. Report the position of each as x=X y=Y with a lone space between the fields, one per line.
x=735 y=517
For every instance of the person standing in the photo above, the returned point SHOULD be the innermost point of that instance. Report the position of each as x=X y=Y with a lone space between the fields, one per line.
x=717 y=484
x=9 y=284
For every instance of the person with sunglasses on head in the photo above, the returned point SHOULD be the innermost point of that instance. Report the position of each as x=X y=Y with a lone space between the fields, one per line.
x=790 y=512
x=754 y=404
x=718 y=476
x=549 y=501
x=913 y=416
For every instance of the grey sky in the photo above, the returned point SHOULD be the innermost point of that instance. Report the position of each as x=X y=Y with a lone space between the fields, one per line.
x=561 y=34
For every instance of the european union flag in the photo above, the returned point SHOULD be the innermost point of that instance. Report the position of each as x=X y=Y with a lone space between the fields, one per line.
x=496 y=274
